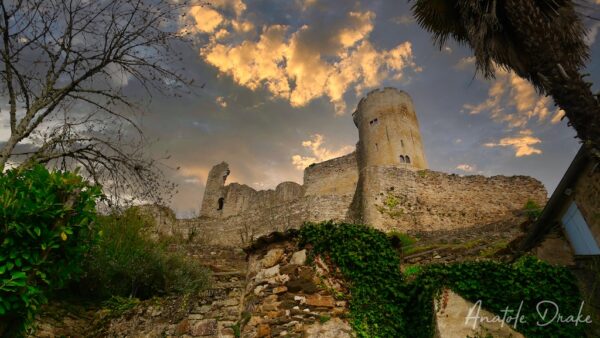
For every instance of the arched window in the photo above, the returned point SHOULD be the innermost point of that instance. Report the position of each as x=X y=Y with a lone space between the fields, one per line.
x=220 y=203
x=402 y=160
x=407 y=159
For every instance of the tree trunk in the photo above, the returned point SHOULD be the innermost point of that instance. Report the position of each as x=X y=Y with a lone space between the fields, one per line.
x=6 y=151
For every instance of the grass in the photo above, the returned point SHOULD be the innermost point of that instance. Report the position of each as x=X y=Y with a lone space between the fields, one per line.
x=495 y=247
x=443 y=246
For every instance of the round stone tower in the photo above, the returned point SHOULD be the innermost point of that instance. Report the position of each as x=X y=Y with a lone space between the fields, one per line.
x=389 y=138
x=388 y=131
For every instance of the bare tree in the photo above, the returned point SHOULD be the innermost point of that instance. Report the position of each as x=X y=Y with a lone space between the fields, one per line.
x=65 y=64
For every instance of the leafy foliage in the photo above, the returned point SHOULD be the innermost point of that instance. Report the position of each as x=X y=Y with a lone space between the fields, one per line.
x=46 y=221
x=384 y=305
x=366 y=258
x=499 y=285
x=533 y=210
x=126 y=262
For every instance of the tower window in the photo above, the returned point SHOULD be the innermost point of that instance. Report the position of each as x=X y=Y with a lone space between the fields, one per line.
x=220 y=203
x=374 y=122
x=407 y=159
x=402 y=160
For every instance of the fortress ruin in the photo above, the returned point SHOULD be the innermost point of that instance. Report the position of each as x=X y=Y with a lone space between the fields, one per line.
x=385 y=183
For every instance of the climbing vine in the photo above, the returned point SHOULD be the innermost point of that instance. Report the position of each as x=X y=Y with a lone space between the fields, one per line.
x=385 y=304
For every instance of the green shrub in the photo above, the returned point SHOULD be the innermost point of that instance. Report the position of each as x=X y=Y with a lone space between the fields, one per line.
x=127 y=263
x=46 y=221
x=532 y=210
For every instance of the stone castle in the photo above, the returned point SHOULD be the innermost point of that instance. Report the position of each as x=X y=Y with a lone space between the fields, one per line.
x=385 y=183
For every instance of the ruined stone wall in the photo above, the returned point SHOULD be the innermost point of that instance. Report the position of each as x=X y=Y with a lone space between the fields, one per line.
x=214 y=190
x=239 y=229
x=240 y=198
x=334 y=177
x=426 y=200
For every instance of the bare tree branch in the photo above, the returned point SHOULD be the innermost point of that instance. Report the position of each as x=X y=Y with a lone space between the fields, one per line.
x=64 y=66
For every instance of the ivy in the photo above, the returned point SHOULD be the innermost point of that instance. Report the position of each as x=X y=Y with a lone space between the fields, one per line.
x=46 y=228
x=384 y=304
x=529 y=281
x=366 y=258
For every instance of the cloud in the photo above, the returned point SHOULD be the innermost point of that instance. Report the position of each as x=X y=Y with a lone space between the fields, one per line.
x=359 y=26
x=466 y=167
x=404 y=19
x=221 y=101
x=514 y=102
x=522 y=143
x=205 y=19
x=465 y=63
x=303 y=64
x=319 y=153
x=559 y=115
x=238 y=6
x=306 y=4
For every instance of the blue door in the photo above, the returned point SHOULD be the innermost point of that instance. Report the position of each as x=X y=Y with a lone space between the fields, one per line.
x=579 y=233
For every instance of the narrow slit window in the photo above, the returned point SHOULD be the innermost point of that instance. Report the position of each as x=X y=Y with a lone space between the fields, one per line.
x=220 y=203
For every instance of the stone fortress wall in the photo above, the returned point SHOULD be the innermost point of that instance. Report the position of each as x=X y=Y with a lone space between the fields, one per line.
x=385 y=183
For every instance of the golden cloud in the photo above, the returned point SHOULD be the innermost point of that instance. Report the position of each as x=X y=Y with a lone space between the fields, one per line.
x=205 y=19
x=360 y=25
x=522 y=143
x=291 y=66
x=319 y=153
x=510 y=90
x=558 y=116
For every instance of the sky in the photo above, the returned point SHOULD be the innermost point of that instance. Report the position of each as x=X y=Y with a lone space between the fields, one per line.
x=280 y=80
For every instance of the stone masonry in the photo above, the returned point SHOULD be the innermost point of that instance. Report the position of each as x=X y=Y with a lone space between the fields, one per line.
x=385 y=183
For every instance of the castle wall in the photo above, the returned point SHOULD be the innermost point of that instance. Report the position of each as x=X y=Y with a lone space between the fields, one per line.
x=241 y=228
x=384 y=184
x=426 y=200
x=334 y=177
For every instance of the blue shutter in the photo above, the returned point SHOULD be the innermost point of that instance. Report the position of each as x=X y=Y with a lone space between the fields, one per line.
x=579 y=233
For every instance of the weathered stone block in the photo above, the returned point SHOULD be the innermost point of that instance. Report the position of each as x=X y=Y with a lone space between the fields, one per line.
x=206 y=327
x=272 y=257
x=299 y=257
x=320 y=301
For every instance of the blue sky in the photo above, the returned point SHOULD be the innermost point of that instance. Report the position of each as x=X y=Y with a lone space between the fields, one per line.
x=283 y=77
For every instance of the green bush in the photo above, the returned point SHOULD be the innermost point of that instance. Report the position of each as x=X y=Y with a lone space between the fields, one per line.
x=127 y=263
x=532 y=210
x=46 y=229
